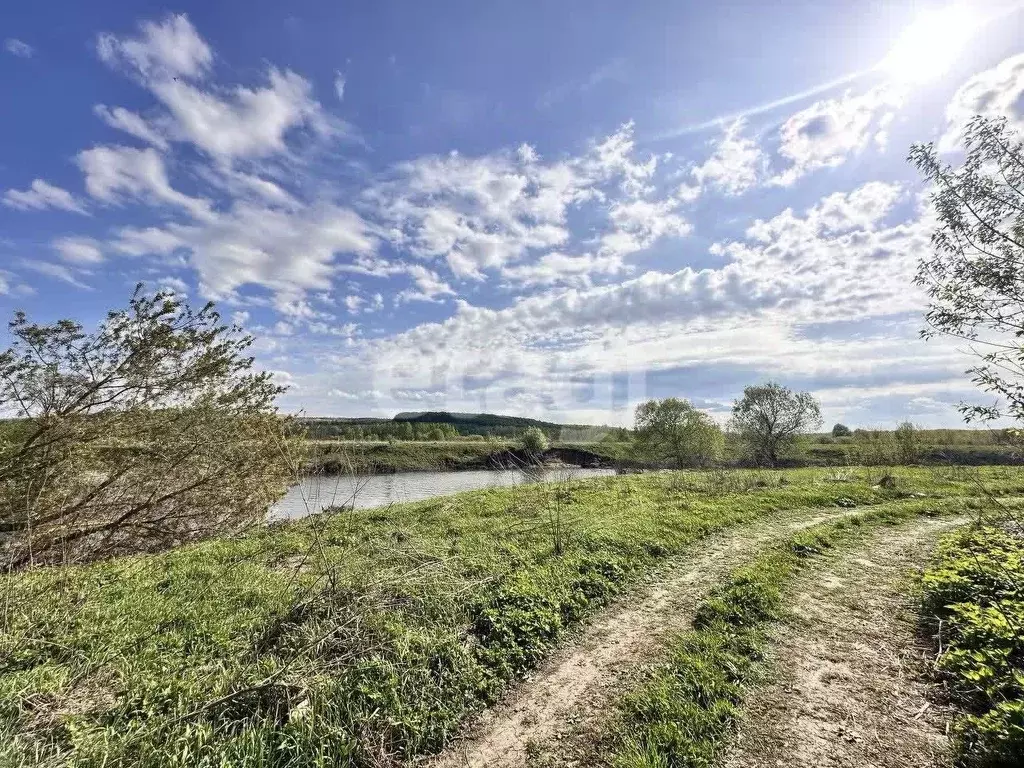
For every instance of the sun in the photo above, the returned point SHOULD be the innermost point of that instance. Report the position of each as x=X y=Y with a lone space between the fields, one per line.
x=930 y=45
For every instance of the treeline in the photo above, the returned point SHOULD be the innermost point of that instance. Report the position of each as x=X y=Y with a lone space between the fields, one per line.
x=381 y=430
x=444 y=425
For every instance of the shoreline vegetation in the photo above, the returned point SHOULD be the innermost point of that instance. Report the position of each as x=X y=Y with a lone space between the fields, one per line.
x=875 y=448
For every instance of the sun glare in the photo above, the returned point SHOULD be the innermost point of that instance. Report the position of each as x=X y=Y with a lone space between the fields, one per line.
x=930 y=45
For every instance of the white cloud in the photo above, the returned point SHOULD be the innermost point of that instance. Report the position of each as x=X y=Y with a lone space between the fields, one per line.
x=173 y=285
x=559 y=268
x=639 y=223
x=111 y=173
x=79 y=250
x=167 y=49
x=151 y=240
x=486 y=213
x=735 y=165
x=131 y=123
x=57 y=272
x=996 y=92
x=283 y=251
x=170 y=59
x=429 y=286
x=18 y=48
x=826 y=133
x=339 y=85
x=246 y=122
x=40 y=196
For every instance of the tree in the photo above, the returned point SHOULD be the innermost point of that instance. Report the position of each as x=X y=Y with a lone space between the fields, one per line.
x=975 y=274
x=534 y=441
x=769 y=417
x=150 y=431
x=673 y=429
x=908 y=448
x=841 y=430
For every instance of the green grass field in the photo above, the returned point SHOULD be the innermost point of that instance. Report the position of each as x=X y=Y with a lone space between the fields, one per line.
x=368 y=636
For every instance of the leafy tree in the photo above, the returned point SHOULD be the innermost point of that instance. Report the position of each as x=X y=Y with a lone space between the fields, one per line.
x=534 y=440
x=841 y=430
x=150 y=431
x=908 y=443
x=769 y=417
x=673 y=429
x=975 y=274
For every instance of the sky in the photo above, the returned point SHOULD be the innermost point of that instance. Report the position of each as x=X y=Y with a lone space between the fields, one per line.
x=547 y=209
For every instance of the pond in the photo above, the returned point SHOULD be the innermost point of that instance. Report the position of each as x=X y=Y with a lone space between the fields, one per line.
x=317 y=493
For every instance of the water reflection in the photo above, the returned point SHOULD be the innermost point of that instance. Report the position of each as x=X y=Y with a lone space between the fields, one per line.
x=314 y=494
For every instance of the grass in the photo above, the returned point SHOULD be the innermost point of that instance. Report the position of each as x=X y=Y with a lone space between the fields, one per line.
x=361 y=638
x=682 y=713
x=973 y=604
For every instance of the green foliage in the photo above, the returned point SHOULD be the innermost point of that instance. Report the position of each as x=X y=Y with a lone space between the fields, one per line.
x=534 y=441
x=673 y=429
x=973 y=600
x=356 y=638
x=973 y=276
x=769 y=417
x=841 y=430
x=907 y=442
x=152 y=430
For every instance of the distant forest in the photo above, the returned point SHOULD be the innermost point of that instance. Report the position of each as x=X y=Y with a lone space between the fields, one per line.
x=443 y=425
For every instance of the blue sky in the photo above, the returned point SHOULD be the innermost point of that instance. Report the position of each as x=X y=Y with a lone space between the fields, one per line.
x=553 y=209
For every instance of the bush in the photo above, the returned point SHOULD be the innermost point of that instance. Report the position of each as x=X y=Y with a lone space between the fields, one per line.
x=841 y=430
x=148 y=432
x=534 y=441
x=975 y=593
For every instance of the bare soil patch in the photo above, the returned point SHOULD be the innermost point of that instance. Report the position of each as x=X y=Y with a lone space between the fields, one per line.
x=544 y=717
x=847 y=686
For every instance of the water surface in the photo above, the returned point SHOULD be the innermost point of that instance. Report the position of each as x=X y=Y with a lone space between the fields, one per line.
x=314 y=494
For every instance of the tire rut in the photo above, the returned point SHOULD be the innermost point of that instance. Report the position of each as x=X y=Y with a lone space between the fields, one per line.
x=573 y=685
x=849 y=688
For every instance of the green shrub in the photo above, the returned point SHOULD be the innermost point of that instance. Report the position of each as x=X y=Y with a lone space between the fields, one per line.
x=974 y=602
x=534 y=440
x=841 y=430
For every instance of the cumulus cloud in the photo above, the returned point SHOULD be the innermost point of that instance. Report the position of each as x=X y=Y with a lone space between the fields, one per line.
x=429 y=286
x=18 y=48
x=735 y=165
x=996 y=92
x=40 y=196
x=339 y=85
x=827 y=133
x=559 y=268
x=489 y=212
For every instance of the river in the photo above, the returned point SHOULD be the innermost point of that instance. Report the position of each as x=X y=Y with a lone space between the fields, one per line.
x=317 y=493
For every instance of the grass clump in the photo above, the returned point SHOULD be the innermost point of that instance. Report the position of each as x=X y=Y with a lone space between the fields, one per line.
x=973 y=603
x=681 y=714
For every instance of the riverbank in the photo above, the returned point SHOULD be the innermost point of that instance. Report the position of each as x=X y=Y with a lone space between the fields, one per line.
x=375 y=457
x=368 y=637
